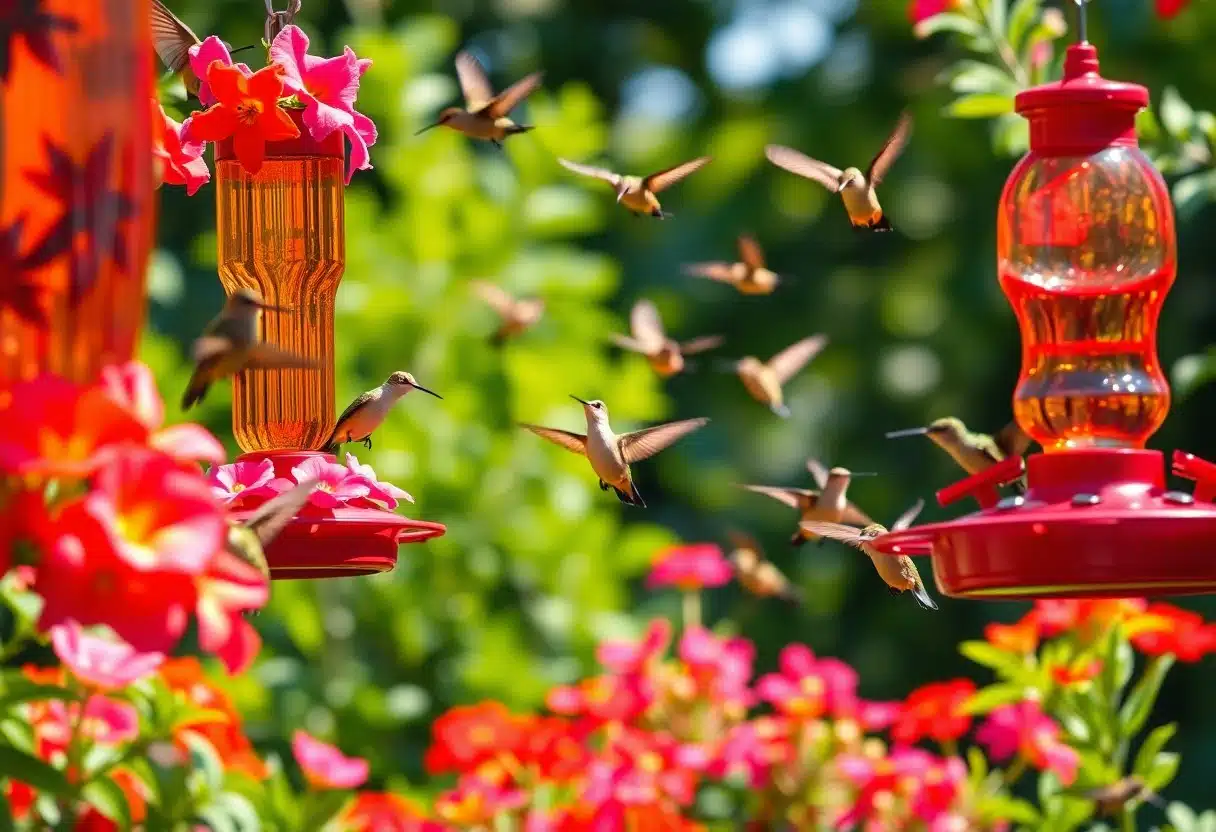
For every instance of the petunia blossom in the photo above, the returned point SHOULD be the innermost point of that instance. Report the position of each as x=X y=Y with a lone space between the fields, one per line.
x=1023 y=729
x=102 y=662
x=240 y=482
x=201 y=57
x=807 y=687
x=689 y=567
x=180 y=160
x=379 y=491
x=229 y=589
x=934 y=711
x=624 y=657
x=327 y=87
x=469 y=735
x=247 y=111
x=324 y=766
x=336 y=484
x=132 y=386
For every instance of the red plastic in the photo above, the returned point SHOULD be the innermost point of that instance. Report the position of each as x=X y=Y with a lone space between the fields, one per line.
x=1086 y=255
x=335 y=543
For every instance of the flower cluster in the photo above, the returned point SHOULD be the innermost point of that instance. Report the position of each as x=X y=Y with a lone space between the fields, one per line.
x=245 y=485
x=251 y=109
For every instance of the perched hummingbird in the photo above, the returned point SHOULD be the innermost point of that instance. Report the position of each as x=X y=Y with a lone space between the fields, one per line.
x=898 y=571
x=757 y=574
x=749 y=275
x=230 y=344
x=485 y=115
x=829 y=504
x=367 y=413
x=1112 y=798
x=611 y=455
x=649 y=339
x=974 y=452
x=172 y=40
x=764 y=380
x=516 y=315
x=248 y=540
x=639 y=193
x=857 y=190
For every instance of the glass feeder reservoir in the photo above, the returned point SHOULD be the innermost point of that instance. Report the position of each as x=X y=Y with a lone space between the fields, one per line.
x=1085 y=253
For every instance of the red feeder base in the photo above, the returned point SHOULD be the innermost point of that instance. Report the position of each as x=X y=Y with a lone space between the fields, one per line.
x=335 y=543
x=1093 y=523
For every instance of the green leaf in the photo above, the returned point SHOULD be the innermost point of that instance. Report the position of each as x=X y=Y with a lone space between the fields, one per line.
x=1139 y=703
x=1011 y=136
x=983 y=653
x=1117 y=666
x=996 y=16
x=205 y=759
x=977 y=764
x=1176 y=115
x=29 y=769
x=948 y=22
x=1163 y=770
x=108 y=798
x=1153 y=744
x=992 y=697
x=980 y=105
x=18 y=690
x=1002 y=807
x=6 y=814
x=1148 y=129
x=1021 y=17
x=1181 y=816
x=976 y=76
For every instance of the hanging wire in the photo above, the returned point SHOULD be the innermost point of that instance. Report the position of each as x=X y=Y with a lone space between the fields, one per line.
x=275 y=21
x=1080 y=20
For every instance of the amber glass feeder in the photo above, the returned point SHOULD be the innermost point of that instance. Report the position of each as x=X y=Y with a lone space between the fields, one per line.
x=283 y=233
x=76 y=191
x=1086 y=254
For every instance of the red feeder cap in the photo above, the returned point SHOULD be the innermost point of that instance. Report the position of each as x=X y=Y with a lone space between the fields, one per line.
x=1109 y=108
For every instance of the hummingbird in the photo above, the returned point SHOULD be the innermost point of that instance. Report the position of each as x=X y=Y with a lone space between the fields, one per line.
x=829 y=504
x=897 y=571
x=749 y=275
x=639 y=193
x=648 y=338
x=974 y=452
x=611 y=455
x=172 y=40
x=367 y=413
x=857 y=190
x=485 y=115
x=517 y=315
x=230 y=344
x=248 y=540
x=757 y=574
x=764 y=380
x=1112 y=798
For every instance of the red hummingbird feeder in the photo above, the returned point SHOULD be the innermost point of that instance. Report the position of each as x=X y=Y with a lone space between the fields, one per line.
x=1086 y=253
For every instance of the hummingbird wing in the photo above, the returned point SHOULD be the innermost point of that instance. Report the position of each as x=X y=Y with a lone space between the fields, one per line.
x=645 y=443
x=1012 y=440
x=802 y=165
x=666 y=178
x=509 y=99
x=171 y=38
x=721 y=272
x=647 y=326
x=705 y=342
x=890 y=151
x=496 y=298
x=271 y=516
x=575 y=442
x=786 y=364
x=905 y=520
x=474 y=84
x=818 y=472
x=750 y=252
x=264 y=356
x=835 y=531
x=854 y=516
x=361 y=400
x=613 y=179
x=792 y=497
x=627 y=343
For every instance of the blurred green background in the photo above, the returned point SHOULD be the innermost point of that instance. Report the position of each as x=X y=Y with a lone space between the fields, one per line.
x=537 y=564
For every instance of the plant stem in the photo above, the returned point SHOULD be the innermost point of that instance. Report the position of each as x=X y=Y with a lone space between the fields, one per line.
x=692 y=609
x=1014 y=773
x=950 y=748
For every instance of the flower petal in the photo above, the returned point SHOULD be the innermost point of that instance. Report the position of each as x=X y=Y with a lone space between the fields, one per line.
x=214 y=124
x=189 y=443
x=277 y=125
x=250 y=149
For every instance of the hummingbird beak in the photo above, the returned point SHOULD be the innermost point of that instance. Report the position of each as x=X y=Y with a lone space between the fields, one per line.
x=899 y=434
x=428 y=127
x=577 y=399
x=239 y=50
x=842 y=186
x=271 y=308
x=418 y=386
x=863 y=474
x=620 y=194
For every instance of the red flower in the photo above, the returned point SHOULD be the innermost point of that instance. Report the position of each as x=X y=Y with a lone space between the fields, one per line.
x=604 y=698
x=720 y=668
x=384 y=812
x=896 y=775
x=1090 y=618
x=132 y=387
x=690 y=568
x=625 y=657
x=185 y=678
x=474 y=802
x=230 y=588
x=921 y=10
x=1169 y=8
x=1023 y=729
x=934 y=711
x=180 y=162
x=1020 y=637
x=553 y=747
x=324 y=766
x=247 y=110
x=1080 y=670
x=469 y=735
x=1184 y=634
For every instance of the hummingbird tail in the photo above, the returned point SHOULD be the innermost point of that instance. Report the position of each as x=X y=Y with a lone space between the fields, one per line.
x=516 y=129
x=922 y=597
x=791 y=596
x=781 y=410
x=634 y=499
x=194 y=394
x=881 y=224
x=800 y=539
x=498 y=339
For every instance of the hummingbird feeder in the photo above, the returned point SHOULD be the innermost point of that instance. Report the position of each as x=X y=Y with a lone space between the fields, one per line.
x=1086 y=253
x=76 y=214
x=282 y=232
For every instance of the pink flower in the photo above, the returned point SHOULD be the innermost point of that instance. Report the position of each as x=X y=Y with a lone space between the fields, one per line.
x=336 y=485
x=690 y=567
x=241 y=481
x=201 y=57
x=898 y=774
x=921 y=10
x=754 y=748
x=627 y=657
x=105 y=721
x=230 y=588
x=132 y=387
x=103 y=662
x=720 y=668
x=181 y=161
x=381 y=492
x=807 y=687
x=940 y=789
x=327 y=87
x=1023 y=729
x=324 y=766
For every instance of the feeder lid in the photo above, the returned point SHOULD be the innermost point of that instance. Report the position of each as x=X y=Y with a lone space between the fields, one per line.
x=1082 y=85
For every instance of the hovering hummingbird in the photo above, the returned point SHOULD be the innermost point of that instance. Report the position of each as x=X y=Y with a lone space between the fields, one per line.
x=829 y=504
x=757 y=574
x=611 y=455
x=639 y=193
x=172 y=40
x=248 y=540
x=749 y=275
x=764 y=380
x=485 y=115
x=649 y=339
x=857 y=190
x=367 y=413
x=230 y=344
x=897 y=571
x=974 y=452
x=1112 y=798
x=517 y=315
